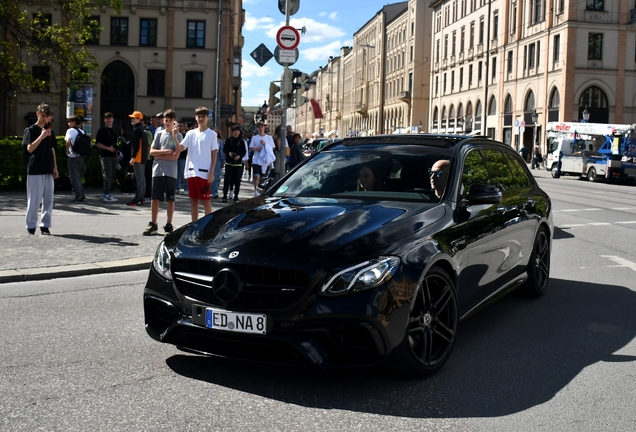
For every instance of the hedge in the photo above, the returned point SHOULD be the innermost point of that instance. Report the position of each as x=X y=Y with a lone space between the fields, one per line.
x=13 y=172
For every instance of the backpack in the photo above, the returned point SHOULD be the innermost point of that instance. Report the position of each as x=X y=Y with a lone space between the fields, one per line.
x=82 y=145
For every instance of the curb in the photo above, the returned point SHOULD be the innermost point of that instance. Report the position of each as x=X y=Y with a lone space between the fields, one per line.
x=44 y=273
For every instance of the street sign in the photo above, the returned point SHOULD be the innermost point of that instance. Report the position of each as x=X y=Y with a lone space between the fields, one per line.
x=261 y=54
x=293 y=6
x=285 y=57
x=287 y=37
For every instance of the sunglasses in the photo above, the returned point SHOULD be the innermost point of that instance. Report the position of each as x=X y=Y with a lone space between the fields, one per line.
x=437 y=174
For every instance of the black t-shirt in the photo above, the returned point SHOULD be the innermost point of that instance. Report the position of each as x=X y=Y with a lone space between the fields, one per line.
x=41 y=160
x=107 y=137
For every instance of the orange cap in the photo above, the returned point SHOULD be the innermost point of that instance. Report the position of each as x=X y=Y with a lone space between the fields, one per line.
x=137 y=114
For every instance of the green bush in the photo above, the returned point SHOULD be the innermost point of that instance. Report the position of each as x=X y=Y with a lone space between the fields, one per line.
x=13 y=172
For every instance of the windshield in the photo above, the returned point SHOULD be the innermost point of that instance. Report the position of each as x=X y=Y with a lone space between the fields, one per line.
x=378 y=174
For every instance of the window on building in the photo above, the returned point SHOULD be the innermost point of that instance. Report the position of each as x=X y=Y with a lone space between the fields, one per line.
x=446 y=16
x=461 y=39
x=92 y=23
x=479 y=71
x=118 y=31
x=495 y=25
x=595 y=46
x=597 y=5
x=538 y=50
x=196 y=34
x=444 y=84
x=411 y=54
x=194 y=84
x=437 y=85
x=445 y=47
x=464 y=2
x=412 y=28
x=471 y=41
x=438 y=22
x=481 y=30
x=452 y=86
x=455 y=11
x=494 y=68
x=41 y=79
x=147 y=32
x=156 y=82
x=513 y=19
x=537 y=11
x=437 y=48
x=510 y=60
x=531 y=55
x=561 y=8
x=461 y=78
x=557 y=48
x=470 y=76
x=453 y=48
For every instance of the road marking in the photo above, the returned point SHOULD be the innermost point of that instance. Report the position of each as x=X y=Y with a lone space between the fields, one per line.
x=622 y=262
x=599 y=223
x=593 y=209
x=627 y=222
x=572 y=226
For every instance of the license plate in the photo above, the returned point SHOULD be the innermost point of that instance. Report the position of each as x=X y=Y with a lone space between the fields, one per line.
x=235 y=321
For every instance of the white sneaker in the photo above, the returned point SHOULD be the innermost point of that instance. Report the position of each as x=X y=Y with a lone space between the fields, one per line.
x=256 y=193
x=230 y=196
x=147 y=200
x=108 y=198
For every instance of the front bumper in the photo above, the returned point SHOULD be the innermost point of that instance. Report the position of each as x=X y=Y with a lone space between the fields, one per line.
x=329 y=332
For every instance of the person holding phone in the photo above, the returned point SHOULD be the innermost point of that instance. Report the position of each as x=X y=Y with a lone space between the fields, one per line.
x=38 y=143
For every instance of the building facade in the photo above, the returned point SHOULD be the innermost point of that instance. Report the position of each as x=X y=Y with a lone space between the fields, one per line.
x=154 y=55
x=497 y=64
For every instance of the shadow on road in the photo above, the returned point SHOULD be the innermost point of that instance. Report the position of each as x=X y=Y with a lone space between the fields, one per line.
x=98 y=240
x=515 y=355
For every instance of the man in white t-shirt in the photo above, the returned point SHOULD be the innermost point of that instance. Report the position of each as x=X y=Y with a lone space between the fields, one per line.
x=202 y=147
x=263 y=147
x=76 y=163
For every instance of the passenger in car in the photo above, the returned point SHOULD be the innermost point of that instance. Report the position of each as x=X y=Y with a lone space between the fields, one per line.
x=439 y=175
x=369 y=178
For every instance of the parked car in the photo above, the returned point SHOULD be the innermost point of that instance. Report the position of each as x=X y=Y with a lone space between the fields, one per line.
x=315 y=146
x=353 y=259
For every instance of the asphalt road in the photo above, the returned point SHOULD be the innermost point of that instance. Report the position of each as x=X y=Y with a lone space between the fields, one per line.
x=75 y=355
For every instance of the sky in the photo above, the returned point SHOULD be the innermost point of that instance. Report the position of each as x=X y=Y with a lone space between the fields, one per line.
x=330 y=25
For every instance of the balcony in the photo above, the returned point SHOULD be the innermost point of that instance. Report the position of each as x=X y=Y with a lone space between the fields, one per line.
x=461 y=56
x=471 y=53
x=236 y=82
x=405 y=96
x=493 y=44
x=452 y=61
x=480 y=49
x=361 y=108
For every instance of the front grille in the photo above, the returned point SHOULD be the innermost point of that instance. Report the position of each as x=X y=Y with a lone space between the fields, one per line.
x=263 y=287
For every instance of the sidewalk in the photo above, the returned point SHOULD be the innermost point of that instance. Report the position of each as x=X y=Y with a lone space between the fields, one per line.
x=89 y=238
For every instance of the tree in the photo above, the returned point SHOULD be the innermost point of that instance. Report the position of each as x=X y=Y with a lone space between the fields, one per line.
x=36 y=51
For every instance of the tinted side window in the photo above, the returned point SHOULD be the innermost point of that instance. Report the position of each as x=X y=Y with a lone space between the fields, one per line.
x=499 y=169
x=518 y=171
x=474 y=172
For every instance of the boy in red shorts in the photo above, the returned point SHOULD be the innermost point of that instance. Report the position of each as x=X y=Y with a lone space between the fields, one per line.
x=202 y=147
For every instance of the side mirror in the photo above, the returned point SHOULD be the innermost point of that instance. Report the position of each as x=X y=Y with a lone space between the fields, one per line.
x=483 y=194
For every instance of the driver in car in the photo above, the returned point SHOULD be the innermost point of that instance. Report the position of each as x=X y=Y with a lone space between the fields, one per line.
x=439 y=176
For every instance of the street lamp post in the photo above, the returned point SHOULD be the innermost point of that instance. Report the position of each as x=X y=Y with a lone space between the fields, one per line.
x=535 y=118
x=586 y=115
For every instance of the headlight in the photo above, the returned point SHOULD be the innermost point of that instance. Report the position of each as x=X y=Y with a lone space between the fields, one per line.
x=161 y=262
x=366 y=275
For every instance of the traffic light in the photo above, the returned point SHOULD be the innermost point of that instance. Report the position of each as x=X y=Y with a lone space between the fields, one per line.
x=298 y=86
x=273 y=89
x=286 y=82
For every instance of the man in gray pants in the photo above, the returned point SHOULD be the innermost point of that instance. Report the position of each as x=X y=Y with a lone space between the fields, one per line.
x=38 y=144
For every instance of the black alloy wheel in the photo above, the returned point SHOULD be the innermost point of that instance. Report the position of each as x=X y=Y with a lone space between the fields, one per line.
x=538 y=266
x=432 y=327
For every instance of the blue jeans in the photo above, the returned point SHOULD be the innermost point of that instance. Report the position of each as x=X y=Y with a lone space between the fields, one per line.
x=218 y=170
x=180 y=178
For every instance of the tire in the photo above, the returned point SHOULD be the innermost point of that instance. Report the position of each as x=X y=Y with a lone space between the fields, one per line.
x=433 y=321
x=555 y=171
x=591 y=174
x=538 y=266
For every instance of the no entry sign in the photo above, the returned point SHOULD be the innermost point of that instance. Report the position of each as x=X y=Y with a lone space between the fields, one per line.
x=287 y=38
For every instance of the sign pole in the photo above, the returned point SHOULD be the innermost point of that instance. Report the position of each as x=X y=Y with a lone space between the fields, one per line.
x=280 y=160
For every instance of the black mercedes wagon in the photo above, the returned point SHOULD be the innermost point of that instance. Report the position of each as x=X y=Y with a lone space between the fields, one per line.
x=372 y=250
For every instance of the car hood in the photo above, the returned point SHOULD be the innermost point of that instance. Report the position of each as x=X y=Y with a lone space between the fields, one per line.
x=305 y=227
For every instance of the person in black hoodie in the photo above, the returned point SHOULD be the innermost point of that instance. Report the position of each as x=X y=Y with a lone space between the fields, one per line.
x=38 y=144
x=138 y=157
x=295 y=152
x=234 y=150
